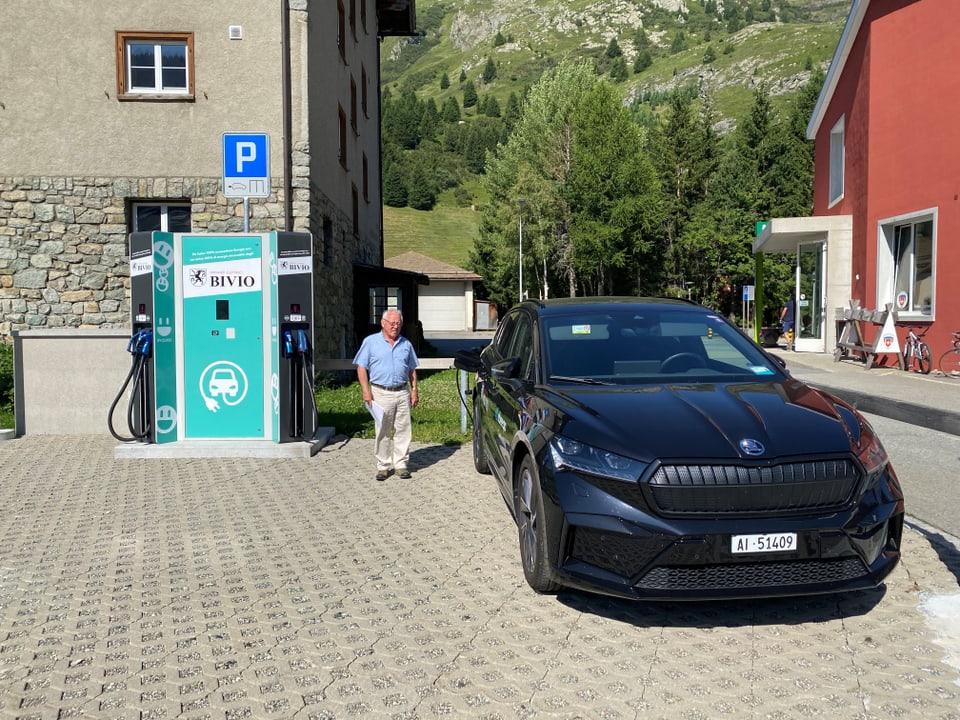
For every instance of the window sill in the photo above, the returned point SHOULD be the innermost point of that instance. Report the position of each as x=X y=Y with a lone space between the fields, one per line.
x=156 y=97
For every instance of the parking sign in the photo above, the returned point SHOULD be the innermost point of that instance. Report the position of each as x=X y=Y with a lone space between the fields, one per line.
x=246 y=165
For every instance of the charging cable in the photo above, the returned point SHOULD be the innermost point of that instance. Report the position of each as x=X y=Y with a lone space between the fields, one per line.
x=140 y=346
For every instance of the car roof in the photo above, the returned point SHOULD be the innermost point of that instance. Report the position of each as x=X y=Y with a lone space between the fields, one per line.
x=558 y=306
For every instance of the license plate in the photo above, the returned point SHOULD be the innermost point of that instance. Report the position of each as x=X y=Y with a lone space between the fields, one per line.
x=765 y=543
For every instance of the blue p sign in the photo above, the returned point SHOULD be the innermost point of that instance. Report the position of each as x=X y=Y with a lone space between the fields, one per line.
x=246 y=165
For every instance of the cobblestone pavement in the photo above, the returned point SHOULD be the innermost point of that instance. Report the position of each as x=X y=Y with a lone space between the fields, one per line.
x=302 y=588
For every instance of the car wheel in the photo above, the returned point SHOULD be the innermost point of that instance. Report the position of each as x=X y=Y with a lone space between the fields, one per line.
x=480 y=462
x=532 y=529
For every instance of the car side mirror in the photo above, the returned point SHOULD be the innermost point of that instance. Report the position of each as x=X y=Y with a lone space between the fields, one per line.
x=508 y=369
x=468 y=360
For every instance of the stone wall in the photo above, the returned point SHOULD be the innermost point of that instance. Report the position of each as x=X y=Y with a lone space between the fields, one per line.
x=63 y=243
x=64 y=259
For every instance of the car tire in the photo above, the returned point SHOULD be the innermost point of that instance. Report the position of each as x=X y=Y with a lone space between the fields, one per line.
x=480 y=462
x=528 y=503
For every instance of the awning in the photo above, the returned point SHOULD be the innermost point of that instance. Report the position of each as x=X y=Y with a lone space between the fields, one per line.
x=782 y=235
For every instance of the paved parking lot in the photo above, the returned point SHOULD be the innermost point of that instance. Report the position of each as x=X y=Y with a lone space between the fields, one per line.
x=302 y=588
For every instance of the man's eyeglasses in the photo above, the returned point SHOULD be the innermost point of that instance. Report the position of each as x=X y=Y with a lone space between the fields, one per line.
x=392 y=322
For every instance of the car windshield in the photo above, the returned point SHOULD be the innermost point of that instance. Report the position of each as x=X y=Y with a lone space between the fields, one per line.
x=657 y=345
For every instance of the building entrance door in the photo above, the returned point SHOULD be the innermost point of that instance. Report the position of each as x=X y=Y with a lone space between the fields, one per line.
x=811 y=297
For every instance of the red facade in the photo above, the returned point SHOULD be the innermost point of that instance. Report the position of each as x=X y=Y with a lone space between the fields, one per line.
x=894 y=89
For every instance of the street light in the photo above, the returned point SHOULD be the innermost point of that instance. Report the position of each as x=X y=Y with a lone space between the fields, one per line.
x=522 y=203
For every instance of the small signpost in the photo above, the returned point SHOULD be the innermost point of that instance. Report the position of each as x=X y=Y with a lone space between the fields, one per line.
x=246 y=168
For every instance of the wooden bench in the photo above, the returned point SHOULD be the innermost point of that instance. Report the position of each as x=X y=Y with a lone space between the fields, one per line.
x=853 y=340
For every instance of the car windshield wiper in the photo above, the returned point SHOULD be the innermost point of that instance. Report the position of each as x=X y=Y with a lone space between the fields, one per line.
x=581 y=380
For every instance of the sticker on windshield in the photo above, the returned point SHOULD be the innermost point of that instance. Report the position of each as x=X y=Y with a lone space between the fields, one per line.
x=761 y=370
x=580 y=330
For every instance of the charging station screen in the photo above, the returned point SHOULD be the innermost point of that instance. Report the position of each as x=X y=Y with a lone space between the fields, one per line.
x=223 y=347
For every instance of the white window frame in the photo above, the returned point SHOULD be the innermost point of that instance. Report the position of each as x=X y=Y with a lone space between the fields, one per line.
x=917 y=308
x=837 y=162
x=383 y=297
x=157 y=91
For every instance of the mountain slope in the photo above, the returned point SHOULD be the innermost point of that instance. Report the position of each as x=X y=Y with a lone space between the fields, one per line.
x=727 y=48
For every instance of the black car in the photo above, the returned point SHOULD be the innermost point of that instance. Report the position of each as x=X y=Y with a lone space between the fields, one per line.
x=647 y=448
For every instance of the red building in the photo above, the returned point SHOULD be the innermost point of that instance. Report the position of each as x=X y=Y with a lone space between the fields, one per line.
x=887 y=176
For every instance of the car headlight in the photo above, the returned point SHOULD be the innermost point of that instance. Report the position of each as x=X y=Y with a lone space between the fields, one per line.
x=872 y=454
x=576 y=455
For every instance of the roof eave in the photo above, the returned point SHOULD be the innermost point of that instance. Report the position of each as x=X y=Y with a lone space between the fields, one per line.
x=837 y=64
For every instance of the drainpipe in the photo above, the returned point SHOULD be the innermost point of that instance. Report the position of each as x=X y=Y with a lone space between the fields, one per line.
x=287 y=116
x=380 y=146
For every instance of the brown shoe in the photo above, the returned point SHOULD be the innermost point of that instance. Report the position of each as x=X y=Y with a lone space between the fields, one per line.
x=382 y=475
x=403 y=474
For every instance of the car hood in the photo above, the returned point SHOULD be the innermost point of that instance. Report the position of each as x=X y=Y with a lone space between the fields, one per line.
x=787 y=417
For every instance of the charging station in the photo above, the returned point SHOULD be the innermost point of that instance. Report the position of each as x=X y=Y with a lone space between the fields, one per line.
x=222 y=338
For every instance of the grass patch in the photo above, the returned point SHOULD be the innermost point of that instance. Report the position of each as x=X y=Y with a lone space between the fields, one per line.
x=445 y=233
x=6 y=386
x=435 y=420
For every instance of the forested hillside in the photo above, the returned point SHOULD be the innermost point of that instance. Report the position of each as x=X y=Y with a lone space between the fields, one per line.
x=646 y=138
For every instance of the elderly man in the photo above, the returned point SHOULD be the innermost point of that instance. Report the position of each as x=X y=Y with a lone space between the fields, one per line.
x=387 y=371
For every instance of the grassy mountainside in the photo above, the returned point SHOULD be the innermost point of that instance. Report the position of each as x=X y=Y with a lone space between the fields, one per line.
x=729 y=52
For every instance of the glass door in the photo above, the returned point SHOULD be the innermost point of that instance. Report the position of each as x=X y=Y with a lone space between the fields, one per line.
x=811 y=296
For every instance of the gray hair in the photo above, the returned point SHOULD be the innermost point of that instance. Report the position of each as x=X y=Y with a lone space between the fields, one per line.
x=386 y=312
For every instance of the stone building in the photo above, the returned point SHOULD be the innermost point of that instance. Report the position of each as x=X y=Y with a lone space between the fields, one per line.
x=112 y=117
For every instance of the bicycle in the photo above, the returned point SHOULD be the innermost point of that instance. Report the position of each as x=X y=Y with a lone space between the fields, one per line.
x=916 y=352
x=950 y=361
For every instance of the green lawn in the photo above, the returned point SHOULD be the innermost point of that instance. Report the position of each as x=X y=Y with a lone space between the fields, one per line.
x=435 y=420
x=445 y=233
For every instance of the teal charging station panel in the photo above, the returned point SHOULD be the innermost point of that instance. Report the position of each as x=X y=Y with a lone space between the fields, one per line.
x=165 y=341
x=223 y=337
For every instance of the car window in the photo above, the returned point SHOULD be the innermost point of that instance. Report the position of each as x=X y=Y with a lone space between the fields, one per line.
x=522 y=346
x=503 y=338
x=638 y=346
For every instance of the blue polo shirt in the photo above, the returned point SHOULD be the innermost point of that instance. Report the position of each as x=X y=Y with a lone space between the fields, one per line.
x=387 y=365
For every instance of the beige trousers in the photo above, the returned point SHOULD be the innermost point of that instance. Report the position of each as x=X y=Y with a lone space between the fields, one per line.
x=393 y=452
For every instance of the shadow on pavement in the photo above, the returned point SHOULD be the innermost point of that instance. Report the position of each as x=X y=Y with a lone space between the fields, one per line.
x=944 y=546
x=727 y=613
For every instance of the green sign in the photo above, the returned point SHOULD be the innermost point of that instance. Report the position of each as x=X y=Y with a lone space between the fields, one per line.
x=223 y=363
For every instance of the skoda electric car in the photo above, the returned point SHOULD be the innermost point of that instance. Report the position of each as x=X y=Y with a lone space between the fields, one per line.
x=649 y=449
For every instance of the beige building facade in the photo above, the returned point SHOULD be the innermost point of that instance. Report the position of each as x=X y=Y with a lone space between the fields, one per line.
x=112 y=116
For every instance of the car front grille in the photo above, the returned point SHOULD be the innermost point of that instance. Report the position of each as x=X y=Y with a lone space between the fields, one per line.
x=730 y=490
x=752 y=575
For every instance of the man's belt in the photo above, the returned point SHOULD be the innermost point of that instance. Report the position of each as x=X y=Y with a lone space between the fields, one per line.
x=391 y=388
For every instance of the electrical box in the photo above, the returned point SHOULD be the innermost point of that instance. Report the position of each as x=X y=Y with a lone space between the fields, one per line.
x=232 y=322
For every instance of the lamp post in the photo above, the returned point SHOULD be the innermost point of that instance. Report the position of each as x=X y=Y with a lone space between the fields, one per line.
x=522 y=203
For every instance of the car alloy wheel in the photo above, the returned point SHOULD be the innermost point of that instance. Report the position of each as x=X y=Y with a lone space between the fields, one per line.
x=532 y=529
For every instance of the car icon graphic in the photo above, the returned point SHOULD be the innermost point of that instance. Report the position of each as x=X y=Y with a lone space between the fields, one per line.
x=223 y=382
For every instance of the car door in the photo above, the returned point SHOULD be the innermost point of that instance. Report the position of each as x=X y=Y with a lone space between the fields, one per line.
x=512 y=377
x=487 y=415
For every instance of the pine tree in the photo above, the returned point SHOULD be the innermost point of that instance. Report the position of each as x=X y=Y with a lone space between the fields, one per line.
x=444 y=81
x=469 y=94
x=512 y=112
x=422 y=195
x=489 y=71
x=618 y=73
x=451 y=110
x=394 y=189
